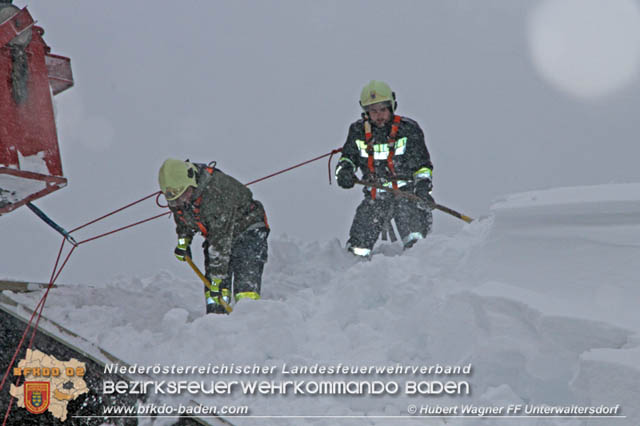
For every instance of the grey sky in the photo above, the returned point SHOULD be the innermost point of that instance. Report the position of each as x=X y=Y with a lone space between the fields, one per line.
x=261 y=85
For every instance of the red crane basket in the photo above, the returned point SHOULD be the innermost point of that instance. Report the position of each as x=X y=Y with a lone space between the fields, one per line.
x=30 y=164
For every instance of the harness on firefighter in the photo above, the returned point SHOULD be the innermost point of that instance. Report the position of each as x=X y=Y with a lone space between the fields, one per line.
x=209 y=168
x=391 y=143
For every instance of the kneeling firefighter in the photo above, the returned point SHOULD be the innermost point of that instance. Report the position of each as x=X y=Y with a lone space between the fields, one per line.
x=391 y=152
x=234 y=227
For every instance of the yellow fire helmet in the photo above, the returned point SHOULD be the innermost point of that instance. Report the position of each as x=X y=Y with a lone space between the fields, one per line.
x=175 y=177
x=375 y=92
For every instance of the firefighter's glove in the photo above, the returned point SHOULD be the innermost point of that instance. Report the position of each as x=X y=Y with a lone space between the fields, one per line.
x=423 y=189
x=346 y=177
x=183 y=248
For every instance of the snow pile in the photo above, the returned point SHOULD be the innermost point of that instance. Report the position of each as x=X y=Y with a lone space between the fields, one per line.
x=33 y=163
x=14 y=189
x=608 y=375
x=571 y=195
x=543 y=308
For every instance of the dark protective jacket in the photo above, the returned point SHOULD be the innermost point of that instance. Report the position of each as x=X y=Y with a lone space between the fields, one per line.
x=221 y=209
x=410 y=152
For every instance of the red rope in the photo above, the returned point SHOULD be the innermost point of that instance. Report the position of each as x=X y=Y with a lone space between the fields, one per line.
x=124 y=227
x=335 y=151
x=6 y=416
x=290 y=168
x=158 y=201
x=26 y=330
x=54 y=276
x=38 y=310
x=114 y=212
x=44 y=298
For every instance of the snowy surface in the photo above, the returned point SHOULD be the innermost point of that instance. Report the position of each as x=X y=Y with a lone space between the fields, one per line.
x=33 y=163
x=544 y=310
x=571 y=195
x=14 y=189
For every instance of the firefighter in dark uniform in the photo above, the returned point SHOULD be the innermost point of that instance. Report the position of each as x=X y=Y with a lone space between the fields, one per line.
x=234 y=227
x=389 y=150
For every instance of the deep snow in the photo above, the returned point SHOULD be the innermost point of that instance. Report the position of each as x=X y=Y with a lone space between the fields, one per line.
x=540 y=297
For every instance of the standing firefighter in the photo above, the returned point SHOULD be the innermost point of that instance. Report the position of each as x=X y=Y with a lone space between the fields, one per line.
x=233 y=224
x=389 y=150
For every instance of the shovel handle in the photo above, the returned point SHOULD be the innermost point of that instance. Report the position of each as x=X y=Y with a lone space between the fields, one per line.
x=414 y=197
x=207 y=283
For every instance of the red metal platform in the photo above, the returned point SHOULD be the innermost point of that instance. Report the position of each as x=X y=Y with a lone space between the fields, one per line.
x=30 y=163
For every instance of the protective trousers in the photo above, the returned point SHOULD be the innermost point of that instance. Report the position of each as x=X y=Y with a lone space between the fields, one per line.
x=246 y=263
x=412 y=221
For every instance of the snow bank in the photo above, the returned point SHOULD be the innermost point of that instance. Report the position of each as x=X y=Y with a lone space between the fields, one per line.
x=545 y=314
x=608 y=376
x=571 y=195
x=33 y=163
x=14 y=189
